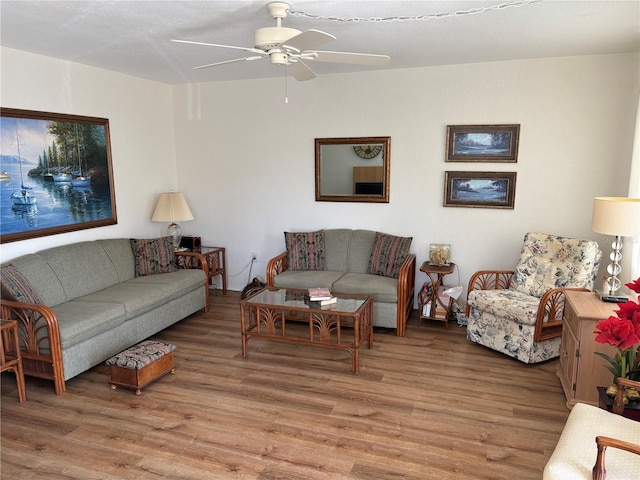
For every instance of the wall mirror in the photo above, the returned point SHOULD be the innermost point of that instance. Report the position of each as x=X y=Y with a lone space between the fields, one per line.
x=353 y=169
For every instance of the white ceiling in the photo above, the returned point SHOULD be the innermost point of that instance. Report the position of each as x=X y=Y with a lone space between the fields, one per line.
x=132 y=37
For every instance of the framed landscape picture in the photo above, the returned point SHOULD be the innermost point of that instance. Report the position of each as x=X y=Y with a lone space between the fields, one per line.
x=55 y=174
x=482 y=143
x=480 y=189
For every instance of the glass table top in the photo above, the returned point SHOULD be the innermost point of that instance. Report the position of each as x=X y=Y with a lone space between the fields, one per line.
x=282 y=297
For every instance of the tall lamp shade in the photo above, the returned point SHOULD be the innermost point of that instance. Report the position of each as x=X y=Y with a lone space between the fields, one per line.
x=618 y=216
x=172 y=207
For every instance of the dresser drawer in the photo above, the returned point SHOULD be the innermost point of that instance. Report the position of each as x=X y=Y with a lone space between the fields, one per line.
x=571 y=319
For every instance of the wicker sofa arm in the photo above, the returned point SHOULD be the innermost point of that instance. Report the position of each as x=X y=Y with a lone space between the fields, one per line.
x=488 y=280
x=406 y=287
x=275 y=266
x=40 y=345
x=193 y=260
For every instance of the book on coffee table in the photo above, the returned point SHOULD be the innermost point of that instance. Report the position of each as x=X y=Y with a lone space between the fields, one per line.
x=317 y=294
x=327 y=303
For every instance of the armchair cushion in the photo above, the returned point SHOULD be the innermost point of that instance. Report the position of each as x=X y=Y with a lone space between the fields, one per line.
x=305 y=250
x=549 y=261
x=508 y=304
x=510 y=337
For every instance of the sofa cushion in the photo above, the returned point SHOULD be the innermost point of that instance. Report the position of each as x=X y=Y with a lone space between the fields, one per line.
x=305 y=280
x=142 y=294
x=42 y=277
x=15 y=286
x=82 y=268
x=360 y=246
x=80 y=321
x=387 y=254
x=336 y=242
x=305 y=250
x=382 y=289
x=153 y=256
x=120 y=253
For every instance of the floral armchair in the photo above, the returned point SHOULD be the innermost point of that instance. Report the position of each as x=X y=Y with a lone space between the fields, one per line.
x=520 y=312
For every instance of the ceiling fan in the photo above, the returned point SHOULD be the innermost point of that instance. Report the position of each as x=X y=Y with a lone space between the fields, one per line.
x=291 y=48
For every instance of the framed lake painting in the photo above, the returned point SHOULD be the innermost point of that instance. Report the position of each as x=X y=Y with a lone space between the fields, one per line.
x=55 y=174
x=480 y=189
x=482 y=143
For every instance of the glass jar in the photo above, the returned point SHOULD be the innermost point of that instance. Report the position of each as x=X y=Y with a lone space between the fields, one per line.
x=440 y=254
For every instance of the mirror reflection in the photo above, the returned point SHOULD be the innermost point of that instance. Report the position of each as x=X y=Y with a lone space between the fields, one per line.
x=353 y=169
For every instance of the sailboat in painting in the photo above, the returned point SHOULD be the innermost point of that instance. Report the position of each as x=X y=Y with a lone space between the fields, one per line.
x=80 y=180
x=22 y=197
x=47 y=175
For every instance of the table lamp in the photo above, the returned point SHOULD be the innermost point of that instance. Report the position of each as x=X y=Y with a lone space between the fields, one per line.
x=172 y=207
x=618 y=216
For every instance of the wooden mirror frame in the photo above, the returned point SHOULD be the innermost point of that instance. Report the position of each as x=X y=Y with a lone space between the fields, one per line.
x=356 y=162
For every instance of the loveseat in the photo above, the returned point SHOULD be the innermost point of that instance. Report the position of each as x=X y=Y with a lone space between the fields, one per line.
x=351 y=262
x=81 y=303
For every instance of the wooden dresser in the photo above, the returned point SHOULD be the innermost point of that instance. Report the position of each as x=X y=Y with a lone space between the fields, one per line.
x=580 y=370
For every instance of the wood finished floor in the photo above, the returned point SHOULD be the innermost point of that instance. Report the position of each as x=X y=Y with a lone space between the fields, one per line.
x=427 y=406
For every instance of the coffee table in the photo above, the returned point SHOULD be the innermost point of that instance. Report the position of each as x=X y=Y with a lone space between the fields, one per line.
x=282 y=315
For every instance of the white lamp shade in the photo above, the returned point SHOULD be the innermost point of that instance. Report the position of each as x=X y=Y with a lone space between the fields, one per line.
x=171 y=207
x=618 y=216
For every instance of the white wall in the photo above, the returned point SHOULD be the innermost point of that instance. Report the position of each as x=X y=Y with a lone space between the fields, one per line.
x=141 y=127
x=246 y=158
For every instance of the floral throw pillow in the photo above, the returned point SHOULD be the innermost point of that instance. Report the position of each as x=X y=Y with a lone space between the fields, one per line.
x=153 y=255
x=305 y=250
x=388 y=254
x=16 y=287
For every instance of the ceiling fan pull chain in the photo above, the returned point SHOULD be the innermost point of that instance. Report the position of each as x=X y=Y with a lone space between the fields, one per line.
x=286 y=86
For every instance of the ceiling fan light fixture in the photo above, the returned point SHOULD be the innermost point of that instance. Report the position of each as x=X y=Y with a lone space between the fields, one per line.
x=278 y=58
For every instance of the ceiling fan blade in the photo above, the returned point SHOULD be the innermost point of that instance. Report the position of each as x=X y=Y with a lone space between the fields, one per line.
x=246 y=49
x=348 y=57
x=300 y=71
x=246 y=59
x=308 y=40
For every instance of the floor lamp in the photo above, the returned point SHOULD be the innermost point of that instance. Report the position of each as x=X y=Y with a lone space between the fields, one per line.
x=620 y=217
x=172 y=207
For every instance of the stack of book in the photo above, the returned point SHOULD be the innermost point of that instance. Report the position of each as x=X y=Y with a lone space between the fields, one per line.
x=321 y=296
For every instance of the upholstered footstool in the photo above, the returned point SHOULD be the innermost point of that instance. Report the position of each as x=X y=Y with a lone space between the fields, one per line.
x=141 y=364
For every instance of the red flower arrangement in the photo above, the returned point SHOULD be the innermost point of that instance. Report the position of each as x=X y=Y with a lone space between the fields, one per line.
x=623 y=332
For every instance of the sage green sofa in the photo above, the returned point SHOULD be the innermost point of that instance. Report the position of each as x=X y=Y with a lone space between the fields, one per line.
x=346 y=267
x=92 y=305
